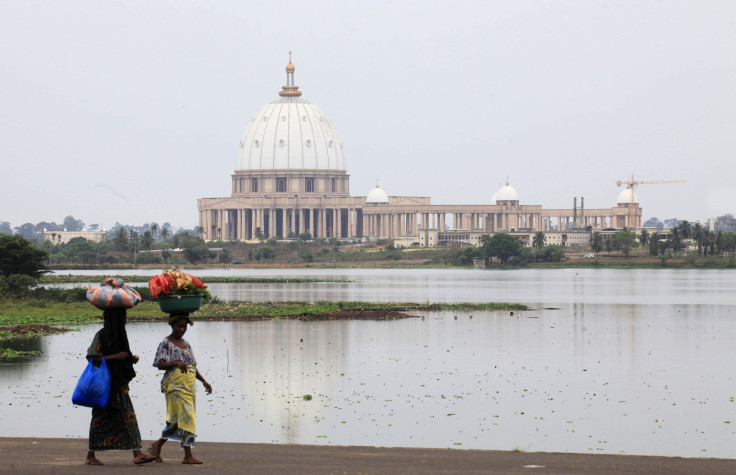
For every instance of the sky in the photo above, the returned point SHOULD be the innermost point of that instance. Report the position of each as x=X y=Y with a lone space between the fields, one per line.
x=130 y=111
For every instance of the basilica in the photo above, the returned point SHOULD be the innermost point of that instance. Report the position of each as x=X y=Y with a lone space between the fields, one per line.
x=291 y=177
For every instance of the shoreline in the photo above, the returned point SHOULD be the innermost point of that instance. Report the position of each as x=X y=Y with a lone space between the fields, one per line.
x=34 y=455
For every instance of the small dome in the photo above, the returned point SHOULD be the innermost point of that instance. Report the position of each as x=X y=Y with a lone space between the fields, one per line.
x=506 y=193
x=377 y=195
x=289 y=67
x=627 y=196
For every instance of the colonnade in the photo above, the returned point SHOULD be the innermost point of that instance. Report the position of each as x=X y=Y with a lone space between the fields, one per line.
x=241 y=224
x=394 y=221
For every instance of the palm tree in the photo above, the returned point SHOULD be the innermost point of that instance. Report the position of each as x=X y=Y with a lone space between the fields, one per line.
x=199 y=230
x=686 y=230
x=121 y=239
x=154 y=230
x=134 y=241
x=539 y=240
x=258 y=234
x=697 y=233
x=147 y=240
x=644 y=238
x=676 y=240
x=596 y=242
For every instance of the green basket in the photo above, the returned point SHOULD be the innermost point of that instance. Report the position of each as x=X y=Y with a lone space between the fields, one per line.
x=180 y=303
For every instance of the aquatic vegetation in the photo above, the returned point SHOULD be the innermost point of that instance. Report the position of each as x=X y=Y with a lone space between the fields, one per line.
x=9 y=353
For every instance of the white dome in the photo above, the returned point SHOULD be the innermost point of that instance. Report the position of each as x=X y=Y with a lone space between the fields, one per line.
x=377 y=195
x=625 y=197
x=493 y=198
x=290 y=133
x=506 y=193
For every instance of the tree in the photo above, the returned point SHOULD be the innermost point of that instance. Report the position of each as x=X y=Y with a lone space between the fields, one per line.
x=121 y=239
x=5 y=228
x=18 y=256
x=539 y=240
x=654 y=245
x=644 y=238
x=698 y=234
x=654 y=223
x=726 y=223
x=71 y=224
x=675 y=240
x=147 y=241
x=266 y=252
x=258 y=234
x=500 y=245
x=686 y=229
x=622 y=241
x=27 y=230
x=596 y=242
x=154 y=230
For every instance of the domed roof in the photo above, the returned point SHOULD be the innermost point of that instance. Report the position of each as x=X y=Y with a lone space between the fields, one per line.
x=377 y=195
x=626 y=195
x=493 y=198
x=290 y=133
x=505 y=193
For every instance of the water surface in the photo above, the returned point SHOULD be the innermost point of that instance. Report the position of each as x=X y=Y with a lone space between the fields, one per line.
x=607 y=361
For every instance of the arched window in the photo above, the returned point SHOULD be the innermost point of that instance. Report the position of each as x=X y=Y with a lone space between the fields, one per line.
x=254 y=185
x=280 y=185
x=309 y=185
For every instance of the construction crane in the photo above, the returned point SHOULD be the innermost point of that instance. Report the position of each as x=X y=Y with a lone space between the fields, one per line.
x=631 y=185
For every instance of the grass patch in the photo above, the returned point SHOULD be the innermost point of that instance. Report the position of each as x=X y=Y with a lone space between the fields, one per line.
x=20 y=312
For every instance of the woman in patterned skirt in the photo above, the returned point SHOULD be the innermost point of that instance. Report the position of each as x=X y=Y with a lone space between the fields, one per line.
x=115 y=427
x=179 y=383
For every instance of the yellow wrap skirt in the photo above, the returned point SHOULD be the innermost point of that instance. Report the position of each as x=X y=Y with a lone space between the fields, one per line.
x=181 y=420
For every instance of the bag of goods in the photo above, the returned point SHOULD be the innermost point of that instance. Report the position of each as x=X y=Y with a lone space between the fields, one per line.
x=113 y=293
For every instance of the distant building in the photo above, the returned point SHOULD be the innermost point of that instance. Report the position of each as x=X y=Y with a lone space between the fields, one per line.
x=291 y=177
x=63 y=237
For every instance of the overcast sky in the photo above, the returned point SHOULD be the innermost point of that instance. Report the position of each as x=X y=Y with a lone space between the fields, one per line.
x=131 y=111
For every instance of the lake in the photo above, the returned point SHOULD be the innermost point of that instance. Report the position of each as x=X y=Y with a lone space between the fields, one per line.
x=605 y=361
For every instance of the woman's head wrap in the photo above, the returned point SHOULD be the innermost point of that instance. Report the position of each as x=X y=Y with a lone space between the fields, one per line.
x=181 y=316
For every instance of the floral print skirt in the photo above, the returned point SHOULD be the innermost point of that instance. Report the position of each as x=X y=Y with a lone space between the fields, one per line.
x=115 y=427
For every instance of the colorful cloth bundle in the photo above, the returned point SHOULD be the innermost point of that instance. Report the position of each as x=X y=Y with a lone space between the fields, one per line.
x=172 y=282
x=113 y=293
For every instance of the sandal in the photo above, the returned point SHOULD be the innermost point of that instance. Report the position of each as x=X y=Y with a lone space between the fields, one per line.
x=143 y=459
x=192 y=461
x=155 y=453
x=92 y=461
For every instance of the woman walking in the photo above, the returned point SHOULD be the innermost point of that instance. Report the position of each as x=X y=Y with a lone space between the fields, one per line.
x=115 y=427
x=176 y=357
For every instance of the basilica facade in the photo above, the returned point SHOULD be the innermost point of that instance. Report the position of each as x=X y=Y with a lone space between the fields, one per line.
x=291 y=177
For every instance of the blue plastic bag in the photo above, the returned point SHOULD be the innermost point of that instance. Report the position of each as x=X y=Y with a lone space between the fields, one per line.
x=93 y=387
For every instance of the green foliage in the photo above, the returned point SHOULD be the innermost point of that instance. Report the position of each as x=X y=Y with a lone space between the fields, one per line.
x=551 y=253
x=17 y=285
x=18 y=256
x=623 y=241
x=265 y=252
x=502 y=246
x=307 y=256
x=596 y=242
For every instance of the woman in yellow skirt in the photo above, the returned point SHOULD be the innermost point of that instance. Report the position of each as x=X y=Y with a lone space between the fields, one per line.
x=175 y=356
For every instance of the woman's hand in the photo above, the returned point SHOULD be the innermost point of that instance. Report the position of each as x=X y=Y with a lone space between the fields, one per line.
x=207 y=387
x=181 y=365
x=123 y=355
